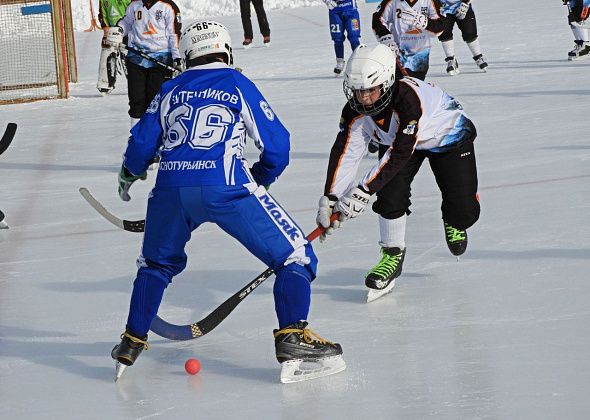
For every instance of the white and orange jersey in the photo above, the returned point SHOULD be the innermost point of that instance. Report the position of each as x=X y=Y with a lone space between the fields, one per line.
x=153 y=26
x=420 y=116
x=410 y=40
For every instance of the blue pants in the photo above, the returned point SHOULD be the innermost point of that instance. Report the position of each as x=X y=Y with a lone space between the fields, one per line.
x=254 y=219
x=341 y=21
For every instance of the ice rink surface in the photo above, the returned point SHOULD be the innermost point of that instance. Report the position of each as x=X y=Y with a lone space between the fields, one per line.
x=502 y=334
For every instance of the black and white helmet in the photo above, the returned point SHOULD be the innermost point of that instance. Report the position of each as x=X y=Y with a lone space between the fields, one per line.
x=367 y=68
x=205 y=37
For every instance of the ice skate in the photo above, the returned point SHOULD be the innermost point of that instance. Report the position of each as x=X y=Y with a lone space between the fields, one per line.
x=339 y=66
x=127 y=352
x=304 y=355
x=381 y=279
x=456 y=240
x=581 y=50
x=266 y=41
x=3 y=224
x=481 y=63
x=452 y=66
x=247 y=43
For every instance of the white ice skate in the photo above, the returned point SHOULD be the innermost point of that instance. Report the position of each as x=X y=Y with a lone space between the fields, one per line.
x=303 y=370
x=374 y=294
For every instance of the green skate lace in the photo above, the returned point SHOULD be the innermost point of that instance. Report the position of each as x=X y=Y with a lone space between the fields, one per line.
x=387 y=265
x=454 y=235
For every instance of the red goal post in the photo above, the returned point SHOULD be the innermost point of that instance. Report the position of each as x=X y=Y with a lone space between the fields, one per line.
x=37 y=49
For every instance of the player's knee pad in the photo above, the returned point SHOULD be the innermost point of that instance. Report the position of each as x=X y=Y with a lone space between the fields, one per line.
x=307 y=268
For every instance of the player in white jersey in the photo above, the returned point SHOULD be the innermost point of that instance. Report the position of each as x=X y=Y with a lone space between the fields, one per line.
x=407 y=27
x=412 y=121
x=153 y=27
x=579 y=11
x=460 y=12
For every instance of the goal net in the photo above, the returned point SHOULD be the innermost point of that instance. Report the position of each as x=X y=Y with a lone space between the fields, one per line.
x=37 y=50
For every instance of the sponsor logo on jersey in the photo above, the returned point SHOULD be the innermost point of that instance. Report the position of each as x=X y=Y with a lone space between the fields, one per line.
x=158 y=15
x=150 y=30
x=187 y=165
x=280 y=217
x=355 y=24
x=267 y=111
x=411 y=128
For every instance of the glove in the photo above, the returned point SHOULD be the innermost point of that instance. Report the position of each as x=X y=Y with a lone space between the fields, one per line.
x=390 y=42
x=330 y=3
x=126 y=179
x=179 y=65
x=462 y=11
x=352 y=204
x=415 y=19
x=325 y=210
x=115 y=36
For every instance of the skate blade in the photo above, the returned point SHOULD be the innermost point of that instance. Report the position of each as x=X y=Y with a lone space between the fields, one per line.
x=119 y=369
x=375 y=294
x=3 y=225
x=304 y=370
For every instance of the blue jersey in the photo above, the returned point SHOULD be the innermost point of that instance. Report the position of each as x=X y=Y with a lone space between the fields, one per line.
x=200 y=120
x=344 y=5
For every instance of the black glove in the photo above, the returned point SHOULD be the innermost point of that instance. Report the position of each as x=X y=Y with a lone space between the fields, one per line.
x=126 y=179
x=179 y=64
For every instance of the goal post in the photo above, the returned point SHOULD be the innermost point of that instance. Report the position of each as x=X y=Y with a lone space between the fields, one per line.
x=38 y=50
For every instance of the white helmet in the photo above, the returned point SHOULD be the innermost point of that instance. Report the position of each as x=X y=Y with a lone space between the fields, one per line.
x=369 y=67
x=205 y=37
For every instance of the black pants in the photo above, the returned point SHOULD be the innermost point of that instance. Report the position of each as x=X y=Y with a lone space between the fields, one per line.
x=468 y=27
x=455 y=172
x=142 y=85
x=260 y=14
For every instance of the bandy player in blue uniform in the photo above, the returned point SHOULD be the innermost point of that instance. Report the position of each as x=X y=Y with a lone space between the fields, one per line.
x=344 y=16
x=200 y=121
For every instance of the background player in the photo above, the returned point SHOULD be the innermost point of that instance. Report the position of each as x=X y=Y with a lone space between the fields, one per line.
x=579 y=10
x=344 y=17
x=460 y=12
x=407 y=29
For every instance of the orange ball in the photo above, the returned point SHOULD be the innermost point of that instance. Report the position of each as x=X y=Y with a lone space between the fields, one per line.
x=192 y=366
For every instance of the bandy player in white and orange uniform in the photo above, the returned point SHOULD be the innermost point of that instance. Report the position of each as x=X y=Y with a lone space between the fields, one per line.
x=412 y=121
x=407 y=27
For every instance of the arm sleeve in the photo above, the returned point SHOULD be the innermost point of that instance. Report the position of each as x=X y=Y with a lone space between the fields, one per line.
x=346 y=154
x=145 y=140
x=435 y=23
x=127 y=22
x=402 y=147
x=173 y=28
x=268 y=133
x=384 y=14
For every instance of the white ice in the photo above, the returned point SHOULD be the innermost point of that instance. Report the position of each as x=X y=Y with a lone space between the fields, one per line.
x=502 y=334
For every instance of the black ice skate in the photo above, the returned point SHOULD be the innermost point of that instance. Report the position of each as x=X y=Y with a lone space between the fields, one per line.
x=452 y=66
x=456 y=240
x=127 y=351
x=581 y=50
x=381 y=279
x=305 y=355
x=481 y=63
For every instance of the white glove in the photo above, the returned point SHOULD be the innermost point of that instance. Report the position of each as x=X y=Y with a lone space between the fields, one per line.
x=325 y=210
x=330 y=3
x=390 y=42
x=415 y=19
x=115 y=36
x=352 y=204
x=462 y=11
